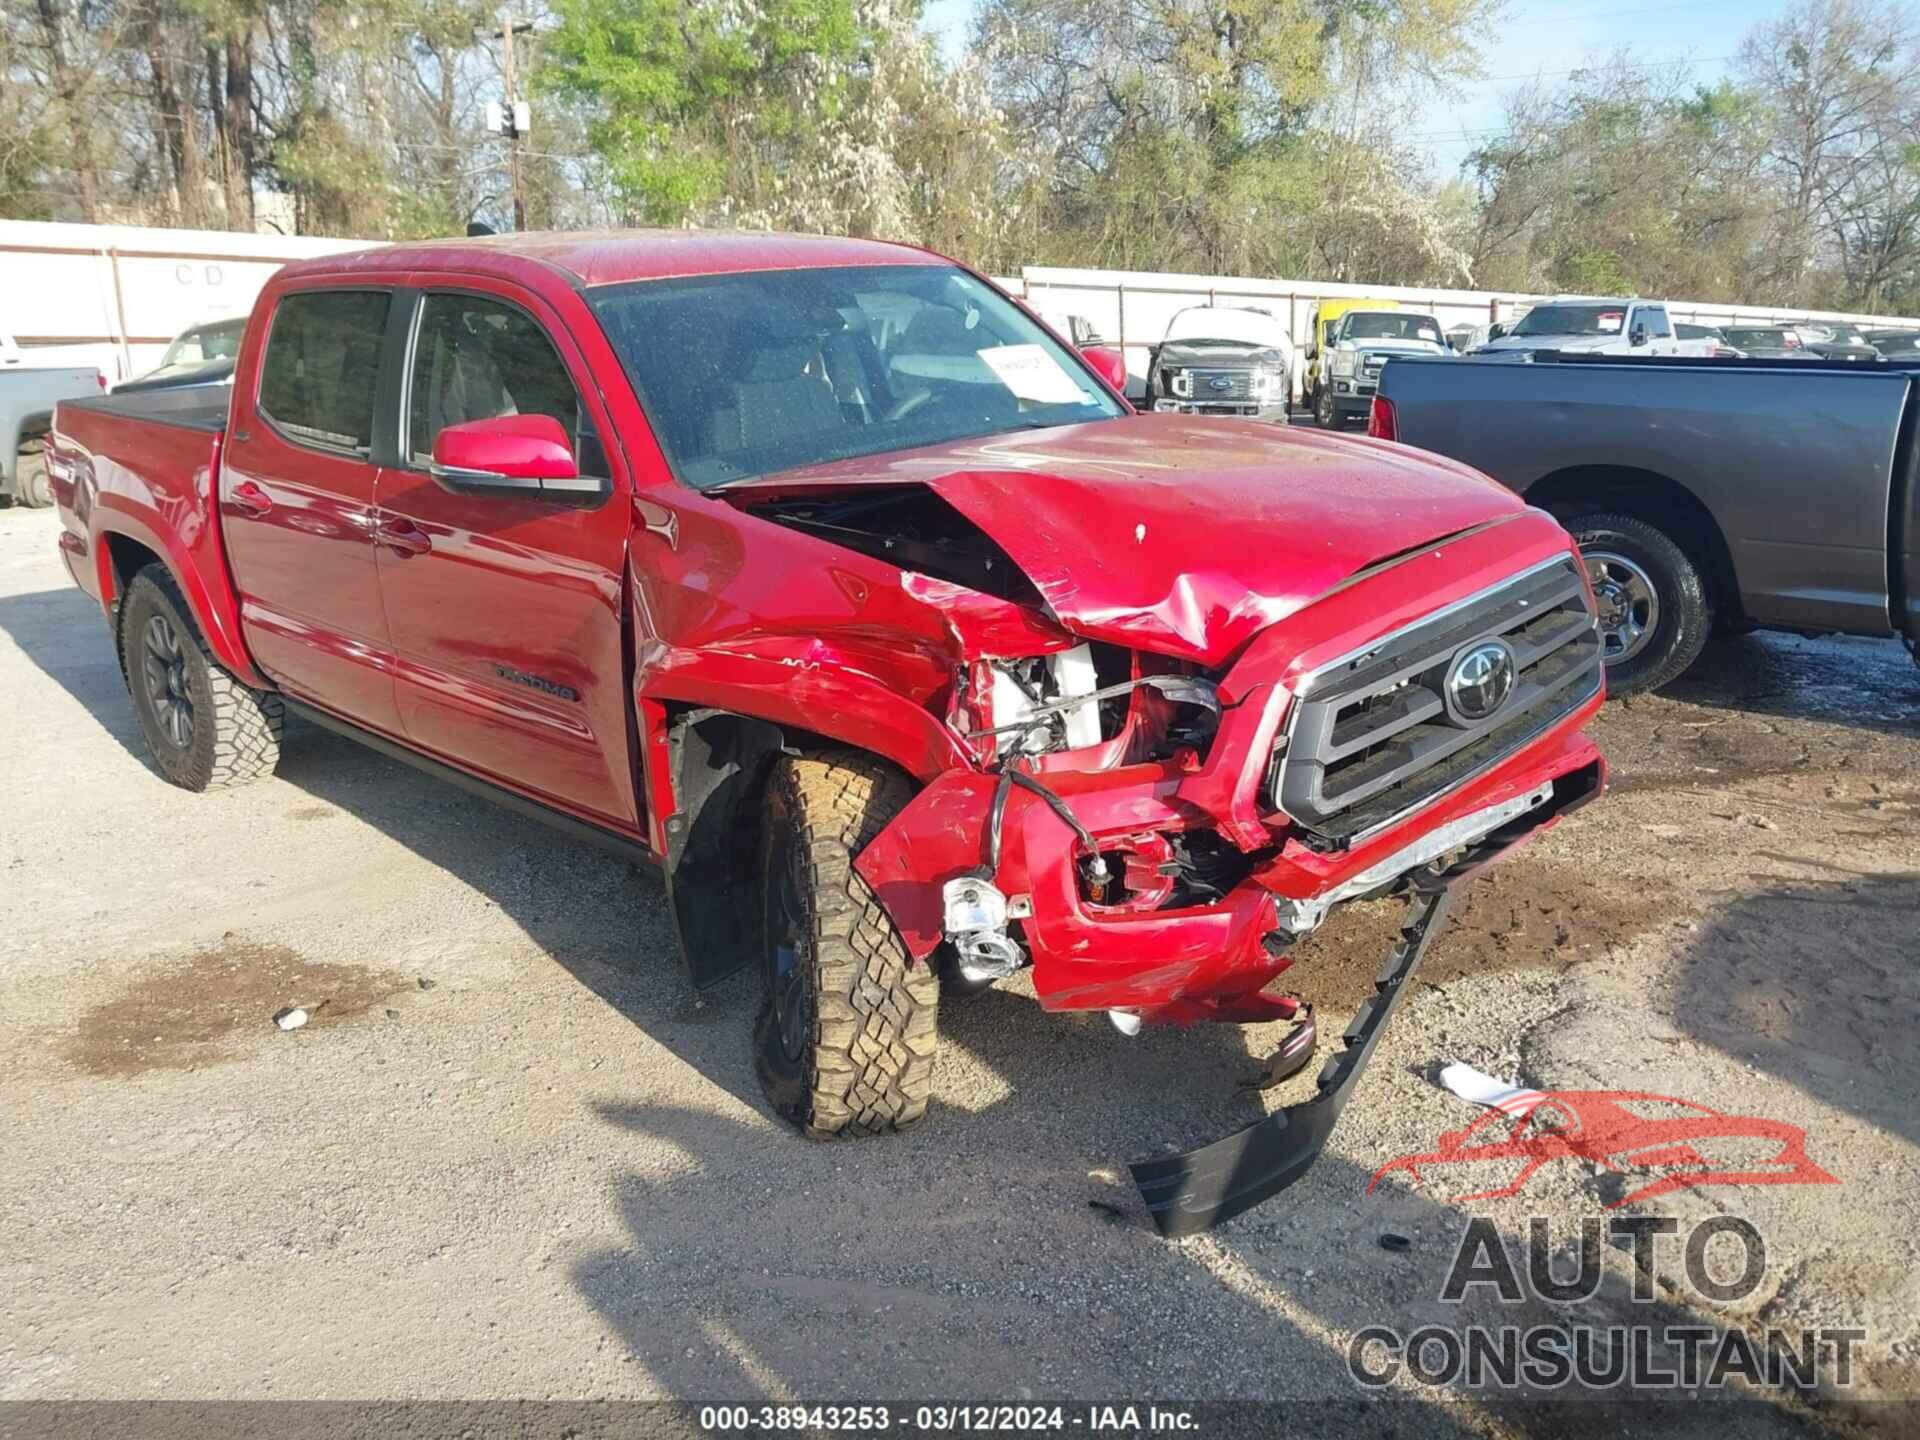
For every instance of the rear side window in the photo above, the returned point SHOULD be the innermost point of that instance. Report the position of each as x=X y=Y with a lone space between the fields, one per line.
x=322 y=365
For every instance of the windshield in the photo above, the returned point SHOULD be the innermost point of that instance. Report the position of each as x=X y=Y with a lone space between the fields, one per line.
x=747 y=375
x=1394 y=327
x=210 y=342
x=1231 y=327
x=1572 y=320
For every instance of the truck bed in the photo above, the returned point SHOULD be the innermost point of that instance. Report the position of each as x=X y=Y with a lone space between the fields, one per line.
x=1806 y=468
x=197 y=408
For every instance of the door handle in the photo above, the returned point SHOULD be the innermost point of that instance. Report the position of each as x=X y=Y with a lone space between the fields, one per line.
x=402 y=537
x=251 y=498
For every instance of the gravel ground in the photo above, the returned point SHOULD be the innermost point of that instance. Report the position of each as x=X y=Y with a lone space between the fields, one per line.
x=513 y=1156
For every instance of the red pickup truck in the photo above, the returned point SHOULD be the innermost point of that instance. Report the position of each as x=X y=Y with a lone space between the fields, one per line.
x=824 y=576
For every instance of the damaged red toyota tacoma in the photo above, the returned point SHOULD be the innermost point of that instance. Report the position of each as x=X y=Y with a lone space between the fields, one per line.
x=824 y=576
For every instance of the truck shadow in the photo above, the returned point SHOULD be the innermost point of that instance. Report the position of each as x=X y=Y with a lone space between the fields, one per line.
x=962 y=1263
x=1845 y=680
x=63 y=633
x=1814 y=982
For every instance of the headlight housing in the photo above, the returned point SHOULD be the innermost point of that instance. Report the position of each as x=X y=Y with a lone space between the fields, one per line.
x=1180 y=382
x=1343 y=362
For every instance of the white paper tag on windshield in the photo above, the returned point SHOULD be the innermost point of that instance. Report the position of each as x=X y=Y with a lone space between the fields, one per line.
x=1032 y=374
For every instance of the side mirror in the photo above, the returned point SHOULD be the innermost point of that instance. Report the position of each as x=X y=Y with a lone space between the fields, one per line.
x=1496 y=332
x=1638 y=336
x=512 y=456
x=1109 y=363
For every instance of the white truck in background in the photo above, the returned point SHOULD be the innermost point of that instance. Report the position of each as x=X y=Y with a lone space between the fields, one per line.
x=31 y=382
x=1590 y=325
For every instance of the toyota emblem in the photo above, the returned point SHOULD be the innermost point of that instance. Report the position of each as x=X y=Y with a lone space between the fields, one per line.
x=1480 y=680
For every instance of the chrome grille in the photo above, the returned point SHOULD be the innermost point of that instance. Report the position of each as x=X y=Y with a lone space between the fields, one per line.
x=1207 y=384
x=1373 y=736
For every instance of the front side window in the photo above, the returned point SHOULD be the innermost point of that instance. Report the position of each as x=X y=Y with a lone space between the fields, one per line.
x=322 y=365
x=1655 y=321
x=750 y=374
x=479 y=359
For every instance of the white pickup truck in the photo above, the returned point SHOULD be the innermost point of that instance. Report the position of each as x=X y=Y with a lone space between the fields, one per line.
x=1359 y=346
x=30 y=382
x=1591 y=325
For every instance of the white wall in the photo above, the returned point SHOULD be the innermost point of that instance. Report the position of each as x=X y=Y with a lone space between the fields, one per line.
x=122 y=292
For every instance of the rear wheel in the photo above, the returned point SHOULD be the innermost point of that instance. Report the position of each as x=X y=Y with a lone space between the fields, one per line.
x=204 y=729
x=31 y=490
x=845 y=1040
x=1656 y=612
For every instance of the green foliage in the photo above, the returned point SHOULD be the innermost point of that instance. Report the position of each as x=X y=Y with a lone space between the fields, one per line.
x=674 y=84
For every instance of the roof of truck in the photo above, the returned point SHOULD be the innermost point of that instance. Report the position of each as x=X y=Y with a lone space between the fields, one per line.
x=605 y=257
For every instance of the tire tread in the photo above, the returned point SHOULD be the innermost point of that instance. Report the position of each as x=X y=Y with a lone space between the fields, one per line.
x=247 y=724
x=875 y=1010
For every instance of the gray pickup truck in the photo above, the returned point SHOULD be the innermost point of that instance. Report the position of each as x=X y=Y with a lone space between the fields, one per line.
x=1705 y=494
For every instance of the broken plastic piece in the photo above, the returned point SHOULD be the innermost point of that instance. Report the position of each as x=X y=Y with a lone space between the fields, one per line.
x=1191 y=1192
x=1294 y=1052
x=1482 y=1089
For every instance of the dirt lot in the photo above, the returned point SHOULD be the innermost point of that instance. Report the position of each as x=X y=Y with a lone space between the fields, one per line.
x=512 y=1156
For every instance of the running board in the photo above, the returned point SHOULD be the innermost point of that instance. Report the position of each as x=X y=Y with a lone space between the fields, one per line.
x=1194 y=1191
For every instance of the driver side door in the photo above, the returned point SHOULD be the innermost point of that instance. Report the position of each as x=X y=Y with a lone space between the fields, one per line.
x=506 y=611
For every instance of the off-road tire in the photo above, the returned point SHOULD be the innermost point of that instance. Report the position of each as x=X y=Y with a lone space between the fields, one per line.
x=1686 y=617
x=866 y=1035
x=31 y=491
x=235 y=733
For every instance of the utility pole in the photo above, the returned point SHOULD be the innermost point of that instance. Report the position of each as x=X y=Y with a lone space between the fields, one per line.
x=513 y=133
x=513 y=120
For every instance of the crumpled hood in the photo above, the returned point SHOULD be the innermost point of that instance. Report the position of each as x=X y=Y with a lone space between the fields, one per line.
x=1205 y=352
x=1182 y=535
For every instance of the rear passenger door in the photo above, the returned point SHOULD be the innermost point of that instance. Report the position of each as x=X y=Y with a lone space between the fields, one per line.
x=296 y=501
x=506 y=611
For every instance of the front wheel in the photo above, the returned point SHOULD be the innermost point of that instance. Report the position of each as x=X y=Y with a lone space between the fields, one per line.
x=1325 y=413
x=204 y=729
x=845 y=1040
x=1655 y=610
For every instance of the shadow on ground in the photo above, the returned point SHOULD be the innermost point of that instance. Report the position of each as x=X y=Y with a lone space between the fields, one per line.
x=1815 y=982
x=1845 y=680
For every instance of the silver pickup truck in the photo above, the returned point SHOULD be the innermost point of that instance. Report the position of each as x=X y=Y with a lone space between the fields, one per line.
x=1705 y=494
x=28 y=393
